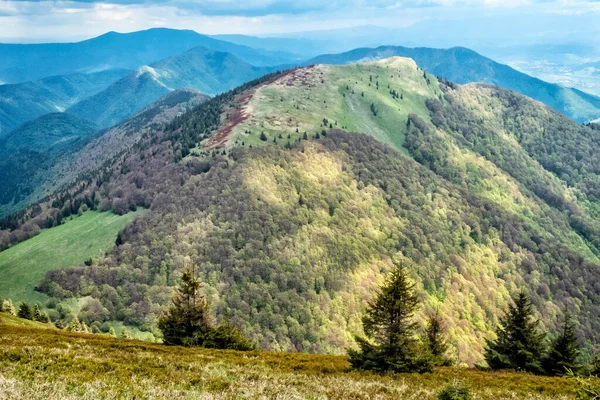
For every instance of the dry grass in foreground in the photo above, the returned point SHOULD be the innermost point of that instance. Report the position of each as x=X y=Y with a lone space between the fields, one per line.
x=47 y=364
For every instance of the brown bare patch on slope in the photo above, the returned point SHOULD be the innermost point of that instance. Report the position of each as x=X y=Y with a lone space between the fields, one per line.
x=241 y=112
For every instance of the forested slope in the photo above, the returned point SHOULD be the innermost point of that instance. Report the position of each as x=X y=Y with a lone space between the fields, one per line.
x=293 y=194
x=26 y=101
x=68 y=147
x=49 y=133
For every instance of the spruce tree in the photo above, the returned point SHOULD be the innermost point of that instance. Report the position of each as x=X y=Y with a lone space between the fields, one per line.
x=44 y=317
x=125 y=334
x=25 y=311
x=563 y=353
x=37 y=313
x=187 y=322
x=119 y=239
x=1 y=304
x=520 y=344
x=188 y=318
x=390 y=343
x=435 y=340
x=9 y=307
x=74 y=325
x=112 y=332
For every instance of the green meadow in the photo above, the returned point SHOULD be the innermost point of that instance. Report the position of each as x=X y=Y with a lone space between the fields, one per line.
x=87 y=236
x=373 y=98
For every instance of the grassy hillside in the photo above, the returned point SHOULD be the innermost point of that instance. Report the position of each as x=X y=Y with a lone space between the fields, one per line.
x=207 y=71
x=25 y=264
x=7 y=319
x=303 y=99
x=462 y=65
x=81 y=366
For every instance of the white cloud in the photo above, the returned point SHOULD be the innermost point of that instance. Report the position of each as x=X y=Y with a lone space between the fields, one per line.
x=70 y=20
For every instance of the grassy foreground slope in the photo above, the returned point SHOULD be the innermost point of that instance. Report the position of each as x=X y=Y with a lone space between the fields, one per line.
x=88 y=236
x=8 y=319
x=48 y=363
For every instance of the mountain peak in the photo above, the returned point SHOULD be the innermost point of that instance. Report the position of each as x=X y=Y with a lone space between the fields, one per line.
x=397 y=61
x=200 y=68
x=146 y=70
x=462 y=65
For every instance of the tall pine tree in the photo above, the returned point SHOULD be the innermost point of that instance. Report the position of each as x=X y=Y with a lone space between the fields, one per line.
x=520 y=344
x=188 y=318
x=390 y=343
x=563 y=353
x=25 y=311
x=9 y=307
x=37 y=313
x=74 y=325
x=187 y=322
x=435 y=340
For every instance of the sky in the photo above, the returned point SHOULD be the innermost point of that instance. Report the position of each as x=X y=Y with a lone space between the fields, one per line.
x=42 y=21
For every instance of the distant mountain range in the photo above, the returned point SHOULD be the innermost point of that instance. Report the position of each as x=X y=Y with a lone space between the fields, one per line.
x=208 y=71
x=166 y=59
x=593 y=65
x=50 y=133
x=300 y=48
x=462 y=65
x=26 y=62
x=23 y=102
x=476 y=32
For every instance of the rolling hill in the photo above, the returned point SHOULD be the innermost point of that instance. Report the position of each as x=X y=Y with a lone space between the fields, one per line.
x=462 y=65
x=53 y=150
x=207 y=71
x=23 y=102
x=292 y=195
x=27 y=62
x=51 y=133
